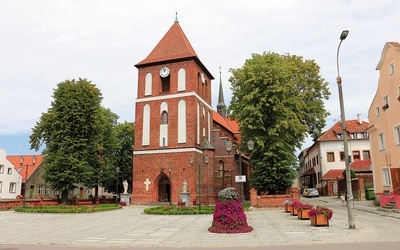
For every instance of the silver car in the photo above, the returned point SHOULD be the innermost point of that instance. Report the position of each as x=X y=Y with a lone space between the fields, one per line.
x=311 y=192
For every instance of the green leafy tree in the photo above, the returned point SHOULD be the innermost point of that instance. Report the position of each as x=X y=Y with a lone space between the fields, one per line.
x=124 y=159
x=70 y=132
x=277 y=100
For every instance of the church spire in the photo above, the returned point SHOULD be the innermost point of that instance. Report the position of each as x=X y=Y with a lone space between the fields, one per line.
x=221 y=107
x=176 y=17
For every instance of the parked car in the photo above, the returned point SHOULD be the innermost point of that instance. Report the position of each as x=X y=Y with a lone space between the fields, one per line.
x=310 y=192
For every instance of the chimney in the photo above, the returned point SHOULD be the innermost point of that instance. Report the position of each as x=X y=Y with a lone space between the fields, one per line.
x=359 y=119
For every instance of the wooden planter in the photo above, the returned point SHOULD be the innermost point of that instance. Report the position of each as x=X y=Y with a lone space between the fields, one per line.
x=303 y=214
x=286 y=207
x=293 y=211
x=319 y=220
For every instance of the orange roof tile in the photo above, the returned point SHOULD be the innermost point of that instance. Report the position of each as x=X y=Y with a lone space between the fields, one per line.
x=221 y=121
x=174 y=45
x=396 y=44
x=333 y=174
x=352 y=127
x=361 y=165
x=14 y=159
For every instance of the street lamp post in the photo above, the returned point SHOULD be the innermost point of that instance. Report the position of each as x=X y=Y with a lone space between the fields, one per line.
x=206 y=159
x=116 y=195
x=21 y=161
x=170 y=185
x=352 y=224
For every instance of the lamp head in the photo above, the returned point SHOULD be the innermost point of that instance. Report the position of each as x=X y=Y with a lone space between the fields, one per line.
x=191 y=159
x=228 y=146
x=344 y=34
x=250 y=145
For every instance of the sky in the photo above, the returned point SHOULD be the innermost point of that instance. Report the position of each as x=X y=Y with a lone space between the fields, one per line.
x=47 y=42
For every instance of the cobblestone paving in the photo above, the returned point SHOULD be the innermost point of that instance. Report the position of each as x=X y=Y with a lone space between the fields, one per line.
x=129 y=227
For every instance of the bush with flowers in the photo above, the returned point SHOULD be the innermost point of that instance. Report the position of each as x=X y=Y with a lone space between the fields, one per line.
x=321 y=210
x=304 y=206
x=229 y=215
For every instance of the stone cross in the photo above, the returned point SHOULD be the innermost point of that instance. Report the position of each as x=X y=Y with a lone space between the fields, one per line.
x=147 y=183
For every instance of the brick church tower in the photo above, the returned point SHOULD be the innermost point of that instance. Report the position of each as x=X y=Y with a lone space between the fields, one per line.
x=173 y=122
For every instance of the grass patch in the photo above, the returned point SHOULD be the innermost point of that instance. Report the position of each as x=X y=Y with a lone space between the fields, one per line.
x=68 y=208
x=182 y=210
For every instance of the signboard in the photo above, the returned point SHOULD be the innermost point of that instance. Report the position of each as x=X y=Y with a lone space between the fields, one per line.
x=240 y=178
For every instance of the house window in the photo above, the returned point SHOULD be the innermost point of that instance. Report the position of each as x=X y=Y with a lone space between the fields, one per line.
x=385 y=103
x=342 y=156
x=366 y=154
x=386 y=177
x=381 y=140
x=1 y=186
x=46 y=191
x=377 y=111
x=340 y=136
x=55 y=192
x=364 y=135
x=391 y=68
x=330 y=156
x=397 y=135
x=13 y=187
x=41 y=190
x=356 y=155
x=317 y=159
x=1 y=169
x=9 y=171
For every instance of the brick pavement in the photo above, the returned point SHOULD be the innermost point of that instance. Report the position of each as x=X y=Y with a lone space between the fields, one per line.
x=129 y=227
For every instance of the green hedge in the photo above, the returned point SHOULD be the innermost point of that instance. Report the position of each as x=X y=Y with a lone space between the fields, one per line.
x=68 y=208
x=169 y=210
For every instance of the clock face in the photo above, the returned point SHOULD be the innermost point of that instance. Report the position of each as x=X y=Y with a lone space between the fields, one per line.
x=164 y=72
x=203 y=78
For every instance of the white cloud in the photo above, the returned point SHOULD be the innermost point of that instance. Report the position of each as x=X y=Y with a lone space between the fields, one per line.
x=46 y=42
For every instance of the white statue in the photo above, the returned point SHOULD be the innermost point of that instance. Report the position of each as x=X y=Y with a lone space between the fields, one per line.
x=184 y=186
x=125 y=183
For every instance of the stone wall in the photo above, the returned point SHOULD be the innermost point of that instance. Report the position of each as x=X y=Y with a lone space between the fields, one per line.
x=273 y=200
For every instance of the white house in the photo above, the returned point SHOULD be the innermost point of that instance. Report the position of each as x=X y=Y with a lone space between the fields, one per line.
x=10 y=179
x=327 y=154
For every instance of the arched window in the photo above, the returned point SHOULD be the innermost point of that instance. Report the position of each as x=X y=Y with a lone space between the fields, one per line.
x=146 y=125
x=164 y=117
x=181 y=79
x=182 y=121
x=148 y=84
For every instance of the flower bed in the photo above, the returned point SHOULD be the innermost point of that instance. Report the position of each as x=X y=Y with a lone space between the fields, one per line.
x=229 y=215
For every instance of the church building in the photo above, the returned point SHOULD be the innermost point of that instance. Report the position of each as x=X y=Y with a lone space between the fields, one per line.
x=180 y=141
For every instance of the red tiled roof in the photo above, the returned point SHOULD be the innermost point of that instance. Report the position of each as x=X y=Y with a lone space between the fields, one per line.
x=361 y=165
x=14 y=159
x=396 y=44
x=352 y=127
x=221 y=121
x=174 y=45
x=311 y=171
x=333 y=174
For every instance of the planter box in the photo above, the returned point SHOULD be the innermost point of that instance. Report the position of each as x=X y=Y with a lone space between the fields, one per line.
x=287 y=209
x=319 y=220
x=303 y=214
x=293 y=211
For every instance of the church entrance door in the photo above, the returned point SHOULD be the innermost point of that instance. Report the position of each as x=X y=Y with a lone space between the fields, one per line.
x=164 y=189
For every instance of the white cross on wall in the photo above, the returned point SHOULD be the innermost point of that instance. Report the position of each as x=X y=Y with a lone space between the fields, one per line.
x=147 y=183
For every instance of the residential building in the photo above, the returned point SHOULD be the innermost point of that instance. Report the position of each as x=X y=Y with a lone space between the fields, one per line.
x=10 y=178
x=327 y=154
x=384 y=118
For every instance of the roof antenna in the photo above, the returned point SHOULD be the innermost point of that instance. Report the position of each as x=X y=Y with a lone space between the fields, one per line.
x=176 y=17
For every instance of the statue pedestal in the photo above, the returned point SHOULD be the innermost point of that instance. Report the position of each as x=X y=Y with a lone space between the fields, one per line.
x=185 y=197
x=125 y=197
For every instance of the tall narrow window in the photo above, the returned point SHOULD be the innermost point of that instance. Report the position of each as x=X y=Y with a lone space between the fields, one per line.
x=164 y=118
x=148 y=84
x=385 y=103
x=342 y=156
x=381 y=141
x=146 y=125
x=164 y=125
x=165 y=82
x=181 y=79
x=386 y=177
x=13 y=187
x=377 y=111
x=1 y=186
x=1 y=168
x=182 y=121
x=397 y=135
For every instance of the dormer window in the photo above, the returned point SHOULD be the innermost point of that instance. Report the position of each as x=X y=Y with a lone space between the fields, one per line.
x=340 y=136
